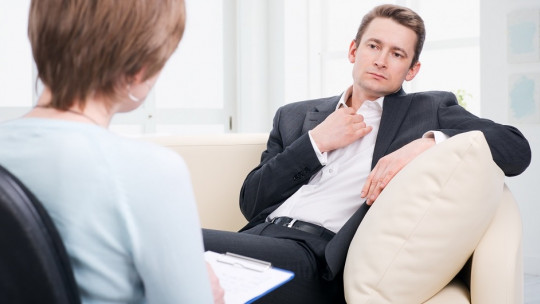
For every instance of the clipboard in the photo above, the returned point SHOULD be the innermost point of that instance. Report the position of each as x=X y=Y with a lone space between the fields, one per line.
x=245 y=279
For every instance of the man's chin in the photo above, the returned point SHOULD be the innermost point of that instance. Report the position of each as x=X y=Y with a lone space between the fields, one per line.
x=377 y=90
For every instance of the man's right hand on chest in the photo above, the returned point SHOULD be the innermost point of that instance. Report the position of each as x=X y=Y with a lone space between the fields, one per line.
x=339 y=129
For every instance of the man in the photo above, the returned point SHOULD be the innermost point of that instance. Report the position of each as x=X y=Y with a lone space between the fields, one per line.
x=328 y=159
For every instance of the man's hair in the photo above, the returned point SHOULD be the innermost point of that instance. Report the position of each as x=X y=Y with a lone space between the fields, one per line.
x=402 y=15
x=85 y=48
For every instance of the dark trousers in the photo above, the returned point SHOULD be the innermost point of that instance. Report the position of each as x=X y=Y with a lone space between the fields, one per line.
x=287 y=248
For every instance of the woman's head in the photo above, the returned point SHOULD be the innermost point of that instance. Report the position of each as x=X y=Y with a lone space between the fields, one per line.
x=95 y=48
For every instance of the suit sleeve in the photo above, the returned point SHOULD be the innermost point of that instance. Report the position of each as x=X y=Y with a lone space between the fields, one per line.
x=509 y=148
x=284 y=168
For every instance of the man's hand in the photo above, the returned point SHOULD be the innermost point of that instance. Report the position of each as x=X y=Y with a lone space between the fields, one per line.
x=339 y=129
x=217 y=292
x=388 y=166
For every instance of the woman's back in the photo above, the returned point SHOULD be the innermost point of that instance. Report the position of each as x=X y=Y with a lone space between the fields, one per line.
x=125 y=209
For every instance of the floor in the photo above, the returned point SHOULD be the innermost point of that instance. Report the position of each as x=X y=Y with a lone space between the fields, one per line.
x=532 y=289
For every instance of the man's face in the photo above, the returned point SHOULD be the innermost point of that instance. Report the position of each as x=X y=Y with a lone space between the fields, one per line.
x=382 y=59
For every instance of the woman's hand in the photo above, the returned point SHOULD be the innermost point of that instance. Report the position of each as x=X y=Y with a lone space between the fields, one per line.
x=217 y=292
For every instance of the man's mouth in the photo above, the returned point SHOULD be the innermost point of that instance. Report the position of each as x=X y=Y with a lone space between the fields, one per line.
x=377 y=75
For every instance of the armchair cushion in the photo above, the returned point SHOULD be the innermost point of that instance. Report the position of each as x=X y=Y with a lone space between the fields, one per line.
x=426 y=224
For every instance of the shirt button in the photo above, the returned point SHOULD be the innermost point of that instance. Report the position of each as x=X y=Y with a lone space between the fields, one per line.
x=331 y=171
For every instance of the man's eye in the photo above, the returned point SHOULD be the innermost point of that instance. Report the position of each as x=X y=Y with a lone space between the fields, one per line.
x=398 y=55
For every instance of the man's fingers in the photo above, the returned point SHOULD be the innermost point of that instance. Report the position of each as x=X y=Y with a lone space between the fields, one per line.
x=380 y=177
x=357 y=118
x=374 y=183
x=374 y=190
x=369 y=195
x=369 y=181
x=348 y=111
x=387 y=178
x=380 y=187
x=363 y=131
x=365 y=189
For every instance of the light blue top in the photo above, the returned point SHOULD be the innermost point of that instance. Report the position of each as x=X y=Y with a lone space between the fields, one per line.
x=125 y=210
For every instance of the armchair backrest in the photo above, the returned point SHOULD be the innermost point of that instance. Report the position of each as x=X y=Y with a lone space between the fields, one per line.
x=218 y=165
x=34 y=265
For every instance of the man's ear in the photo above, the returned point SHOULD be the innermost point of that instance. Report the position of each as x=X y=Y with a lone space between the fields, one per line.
x=352 y=51
x=413 y=71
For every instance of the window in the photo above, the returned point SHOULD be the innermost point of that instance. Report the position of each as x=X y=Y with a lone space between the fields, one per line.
x=193 y=94
x=16 y=70
x=451 y=55
x=189 y=96
x=240 y=60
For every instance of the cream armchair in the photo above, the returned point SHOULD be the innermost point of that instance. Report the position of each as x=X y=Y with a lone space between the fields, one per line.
x=219 y=164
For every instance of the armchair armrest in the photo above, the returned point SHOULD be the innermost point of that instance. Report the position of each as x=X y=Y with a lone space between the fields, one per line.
x=497 y=268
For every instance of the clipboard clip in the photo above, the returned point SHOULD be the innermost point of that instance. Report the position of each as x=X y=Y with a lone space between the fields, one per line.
x=244 y=262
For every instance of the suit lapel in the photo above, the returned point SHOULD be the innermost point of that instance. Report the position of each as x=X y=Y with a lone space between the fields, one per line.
x=394 y=110
x=318 y=114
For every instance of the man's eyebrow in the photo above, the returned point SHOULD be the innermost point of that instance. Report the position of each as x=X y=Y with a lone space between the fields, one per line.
x=374 y=40
x=395 y=48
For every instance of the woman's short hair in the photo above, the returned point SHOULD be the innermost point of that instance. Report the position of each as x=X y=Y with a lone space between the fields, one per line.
x=85 y=48
x=402 y=15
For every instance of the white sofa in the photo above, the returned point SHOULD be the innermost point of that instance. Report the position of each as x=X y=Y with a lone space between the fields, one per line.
x=219 y=164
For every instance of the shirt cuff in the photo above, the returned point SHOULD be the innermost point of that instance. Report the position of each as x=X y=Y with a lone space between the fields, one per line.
x=437 y=135
x=323 y=157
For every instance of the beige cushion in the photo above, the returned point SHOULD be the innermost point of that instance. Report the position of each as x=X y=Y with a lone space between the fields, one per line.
x=425 y=225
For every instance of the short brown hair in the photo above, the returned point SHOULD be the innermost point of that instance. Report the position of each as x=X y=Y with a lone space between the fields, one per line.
x=87 y=47
x=401 y=15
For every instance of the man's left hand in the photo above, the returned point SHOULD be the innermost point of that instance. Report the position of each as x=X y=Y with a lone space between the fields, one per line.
x=388 y=166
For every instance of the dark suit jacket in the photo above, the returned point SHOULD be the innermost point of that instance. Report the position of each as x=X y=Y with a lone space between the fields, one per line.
x=289 y=160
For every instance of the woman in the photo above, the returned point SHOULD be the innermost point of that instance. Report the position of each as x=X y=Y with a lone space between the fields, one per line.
x=125 y=209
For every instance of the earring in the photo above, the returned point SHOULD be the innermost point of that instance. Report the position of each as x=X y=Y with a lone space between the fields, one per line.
x=131 y=96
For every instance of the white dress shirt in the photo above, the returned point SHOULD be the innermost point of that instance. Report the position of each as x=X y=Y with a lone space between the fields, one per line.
x=332 y=195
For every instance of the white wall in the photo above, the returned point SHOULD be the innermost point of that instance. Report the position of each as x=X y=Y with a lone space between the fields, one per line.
x=495 y=73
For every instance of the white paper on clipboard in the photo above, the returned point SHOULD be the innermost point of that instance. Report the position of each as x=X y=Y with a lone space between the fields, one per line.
x=245 y=279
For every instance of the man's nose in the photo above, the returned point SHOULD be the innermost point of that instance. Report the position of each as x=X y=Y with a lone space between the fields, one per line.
x=380 y=60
